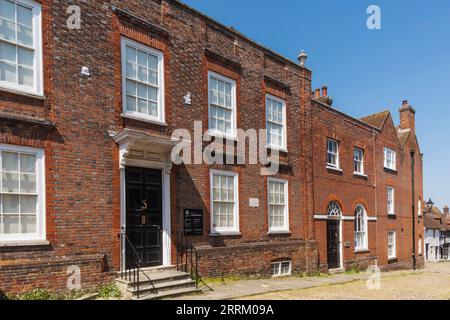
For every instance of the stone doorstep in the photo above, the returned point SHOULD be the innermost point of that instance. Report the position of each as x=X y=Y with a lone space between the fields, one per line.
x=168 y=282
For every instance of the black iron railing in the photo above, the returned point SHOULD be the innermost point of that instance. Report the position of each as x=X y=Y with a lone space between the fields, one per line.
x=133 y=271
x=187 y=258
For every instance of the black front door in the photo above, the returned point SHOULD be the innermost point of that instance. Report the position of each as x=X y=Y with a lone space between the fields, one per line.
x=144 y=216
x=333 y=244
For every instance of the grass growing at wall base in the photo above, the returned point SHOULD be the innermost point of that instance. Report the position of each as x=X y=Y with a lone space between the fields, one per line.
x=104 y=291
x=354 y=269
x=234 y=278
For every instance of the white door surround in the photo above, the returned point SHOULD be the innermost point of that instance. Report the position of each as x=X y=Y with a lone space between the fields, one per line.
x=140 y=149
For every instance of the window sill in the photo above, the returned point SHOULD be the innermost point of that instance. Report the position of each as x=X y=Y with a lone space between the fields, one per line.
x=362 y=251
x=279 y=232
x=143 y=119
x=334 y=169
x=225 y=234
x=219 y=135
x=389 y=170
x=23 y=93
x=392 y=260
x=282 y=275
x=360 y=175
x=392 y=216
x=24 y=243
x=275 y=148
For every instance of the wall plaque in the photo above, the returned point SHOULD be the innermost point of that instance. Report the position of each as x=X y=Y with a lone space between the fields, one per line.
x=193 y=222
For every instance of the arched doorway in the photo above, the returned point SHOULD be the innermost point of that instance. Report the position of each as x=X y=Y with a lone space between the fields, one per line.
x=334 y=249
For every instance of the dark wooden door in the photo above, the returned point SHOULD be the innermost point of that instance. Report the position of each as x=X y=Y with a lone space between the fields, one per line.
x=144 y=216
x=333 y=244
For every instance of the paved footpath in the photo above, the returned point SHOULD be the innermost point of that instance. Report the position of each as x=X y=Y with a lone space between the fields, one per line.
x=433 y=282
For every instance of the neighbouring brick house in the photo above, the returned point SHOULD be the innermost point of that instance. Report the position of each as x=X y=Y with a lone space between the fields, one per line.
x=363 y=187
x=87 y=117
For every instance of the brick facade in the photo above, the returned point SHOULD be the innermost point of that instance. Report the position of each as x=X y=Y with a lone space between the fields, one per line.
x=78 y=114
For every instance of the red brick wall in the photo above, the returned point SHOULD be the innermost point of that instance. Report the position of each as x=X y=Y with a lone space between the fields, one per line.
x=344 y=187
x=83 y=194
x=401 y=182
x=224 y=261
x=23 y=274
x=349 y=190
x=82 y=172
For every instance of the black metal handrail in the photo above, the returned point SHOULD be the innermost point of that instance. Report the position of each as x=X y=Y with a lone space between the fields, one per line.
x=188 y=258
x=133 y=273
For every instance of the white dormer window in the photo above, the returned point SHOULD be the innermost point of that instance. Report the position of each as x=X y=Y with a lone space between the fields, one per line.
x=143 y=81
x=20 y=46
x=390 y=161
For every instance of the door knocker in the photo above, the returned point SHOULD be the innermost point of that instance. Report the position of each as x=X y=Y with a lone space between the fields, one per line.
x=144 y=205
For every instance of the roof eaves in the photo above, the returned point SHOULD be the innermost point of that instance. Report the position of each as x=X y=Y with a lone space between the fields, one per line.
x=241 y=35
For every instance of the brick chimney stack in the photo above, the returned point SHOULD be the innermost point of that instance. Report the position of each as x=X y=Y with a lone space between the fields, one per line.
x=407 y=117
x=317 y=94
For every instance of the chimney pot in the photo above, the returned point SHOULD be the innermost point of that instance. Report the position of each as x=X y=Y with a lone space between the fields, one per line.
x=317 y=94
x=407 y=116
x=446 y=210
x=324 y=91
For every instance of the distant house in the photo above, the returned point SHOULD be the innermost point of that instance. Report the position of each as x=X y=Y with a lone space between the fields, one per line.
x=437 y=234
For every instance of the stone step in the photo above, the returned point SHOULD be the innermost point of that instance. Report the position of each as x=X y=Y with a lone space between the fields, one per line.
x=336 y=271
x=169 y=294
x=163 y=287
x=155 y=277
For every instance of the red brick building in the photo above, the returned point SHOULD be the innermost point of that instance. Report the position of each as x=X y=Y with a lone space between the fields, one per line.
x=87 y=117
x=364 y=188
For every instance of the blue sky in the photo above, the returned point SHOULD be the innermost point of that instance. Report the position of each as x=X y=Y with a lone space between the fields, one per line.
x=366 y=70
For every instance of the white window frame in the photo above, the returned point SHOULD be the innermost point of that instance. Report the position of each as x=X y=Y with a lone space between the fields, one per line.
x=279 y=264
x=332 y=165
x=235 y=228
x=419 y=208
x=420 y=246
x=284 y=228
x=365 y=239
x=283 y=146
x=361 y=161
x=388 y=151
x=394 y=245
x=40 y=234
x=215 y=132
x=38 y=72
x=161 y=85
x=391 y=208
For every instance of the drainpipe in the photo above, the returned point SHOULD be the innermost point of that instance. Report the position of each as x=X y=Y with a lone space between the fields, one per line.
x=375 y=188
x=413 y=210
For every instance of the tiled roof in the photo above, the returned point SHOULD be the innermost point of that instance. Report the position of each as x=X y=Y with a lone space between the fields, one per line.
x=431 y=222
x=437 y=220
x=446 y=223
x=376 y=120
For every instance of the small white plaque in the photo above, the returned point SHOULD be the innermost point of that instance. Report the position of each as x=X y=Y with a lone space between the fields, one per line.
x=188 y=99
x=254 y=203
x=85 y=71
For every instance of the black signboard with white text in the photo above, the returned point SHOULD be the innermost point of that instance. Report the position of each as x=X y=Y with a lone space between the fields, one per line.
x=193 y=222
